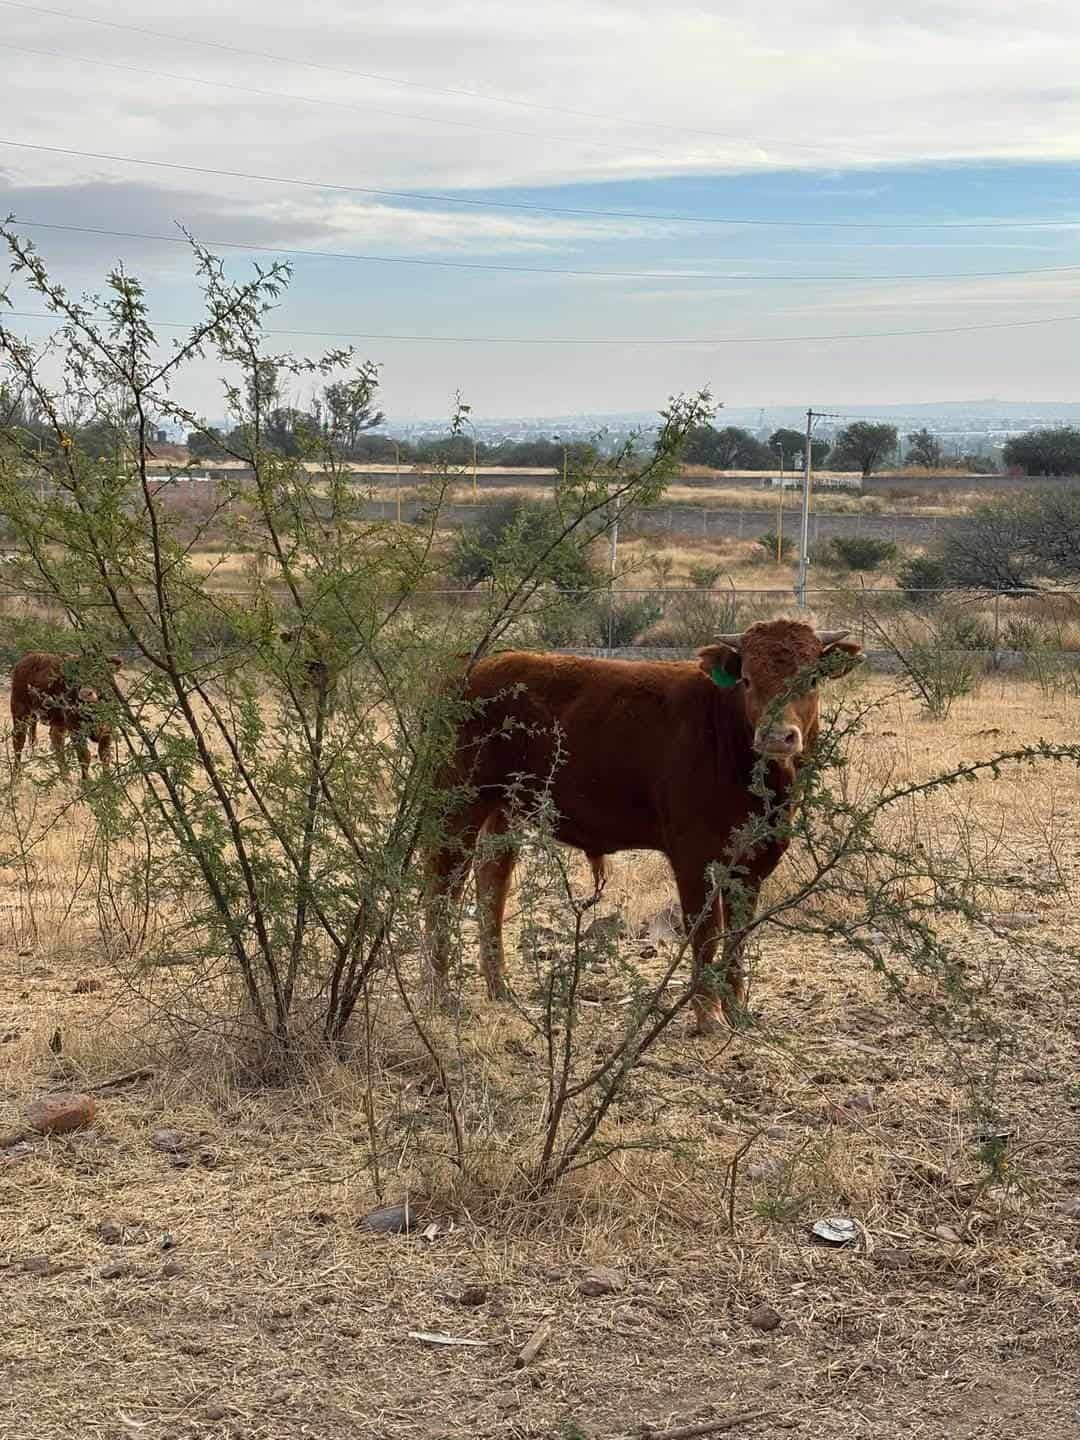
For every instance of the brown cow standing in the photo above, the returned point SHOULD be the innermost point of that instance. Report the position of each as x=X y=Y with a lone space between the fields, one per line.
x=635 y=755
x=44 y=687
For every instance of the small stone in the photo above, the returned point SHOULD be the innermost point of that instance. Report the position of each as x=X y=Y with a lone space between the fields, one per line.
x=170 y=1142
x=172 y=1269
x=605 y=930
x=167 y=1242
x=215 y=1411
x=110 y=1233
x=86 y=985
x=601 y=1280
x=766 y=1169
x=554 y=1275
x=1071 y=1208
x=648 y=952
x=895 y=1258
x=387 y=1220
x=505 y=1400
x=947 y=1232
x=861 y=1100
x=59 y=1114
x=115 y=1270
x=756 y=1347
x=764 y=1317
x=473 y=1295
x=36 y=1265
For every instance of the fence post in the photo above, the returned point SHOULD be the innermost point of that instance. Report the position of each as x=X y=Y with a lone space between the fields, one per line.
x=997 y=624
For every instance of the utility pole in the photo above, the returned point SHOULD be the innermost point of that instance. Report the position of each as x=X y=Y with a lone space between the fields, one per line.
x=811 y=416
x=780 y=517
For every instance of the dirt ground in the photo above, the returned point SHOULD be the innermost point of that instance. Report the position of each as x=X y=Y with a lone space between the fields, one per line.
x=223 y=1288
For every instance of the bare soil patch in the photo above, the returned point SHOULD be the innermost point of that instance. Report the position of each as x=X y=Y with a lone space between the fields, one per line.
x=222 y=1285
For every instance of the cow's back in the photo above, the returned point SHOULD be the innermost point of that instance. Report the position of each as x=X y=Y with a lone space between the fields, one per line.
x=628 y=750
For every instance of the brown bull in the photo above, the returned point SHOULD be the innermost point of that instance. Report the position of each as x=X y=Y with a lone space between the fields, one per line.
x=44 y=687
x=636 y=755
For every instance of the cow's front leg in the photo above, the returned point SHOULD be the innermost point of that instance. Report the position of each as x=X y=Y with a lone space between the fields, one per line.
x=715 y=922
x=58 y=740
x=703 y=918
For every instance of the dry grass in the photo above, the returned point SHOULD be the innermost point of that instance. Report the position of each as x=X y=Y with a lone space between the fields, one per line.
x=274 y=1316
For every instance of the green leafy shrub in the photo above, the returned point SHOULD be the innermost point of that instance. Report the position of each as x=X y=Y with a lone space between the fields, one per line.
x=861 y=552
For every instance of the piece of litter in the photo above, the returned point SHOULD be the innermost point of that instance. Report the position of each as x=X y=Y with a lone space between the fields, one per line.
x=435 y=1337
x=835 y=1230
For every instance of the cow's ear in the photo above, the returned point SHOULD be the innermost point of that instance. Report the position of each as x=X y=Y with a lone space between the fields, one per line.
x=722 y=663
x=839 y=658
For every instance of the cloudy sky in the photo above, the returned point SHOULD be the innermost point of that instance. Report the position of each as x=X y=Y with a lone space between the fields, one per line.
x=908 y=166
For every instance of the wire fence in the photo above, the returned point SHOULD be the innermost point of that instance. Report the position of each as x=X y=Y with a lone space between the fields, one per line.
x=1009 y=629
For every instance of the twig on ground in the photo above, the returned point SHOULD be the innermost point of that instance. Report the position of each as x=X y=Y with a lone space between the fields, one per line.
x=708 y=1427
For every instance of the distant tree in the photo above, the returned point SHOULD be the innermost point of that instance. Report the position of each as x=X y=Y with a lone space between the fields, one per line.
x=794 y=447
x=263 y=387
x=289 y=431
x=979 y=464
x=924 y=449
x=509 y=540
x=1045 y=452
x=205 y=444
x=347 y=408
x=1017 y=542
x=728 y=449
x=863 y=445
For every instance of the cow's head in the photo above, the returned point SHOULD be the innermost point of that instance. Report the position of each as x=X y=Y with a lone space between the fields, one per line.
x=776 y=665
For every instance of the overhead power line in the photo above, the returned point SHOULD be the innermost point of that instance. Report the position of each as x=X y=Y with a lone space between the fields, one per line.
x=694 y=343
x=667 y=275
x=460 y=93
x=521 y=205
x=438 y=120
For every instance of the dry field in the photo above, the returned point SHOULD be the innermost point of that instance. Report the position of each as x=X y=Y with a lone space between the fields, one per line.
x=227 y=1291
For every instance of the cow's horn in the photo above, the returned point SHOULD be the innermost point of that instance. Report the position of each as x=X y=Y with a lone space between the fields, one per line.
x=830 y=637
x=731 y=641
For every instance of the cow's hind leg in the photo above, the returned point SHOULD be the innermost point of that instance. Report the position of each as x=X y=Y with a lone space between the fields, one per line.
x=447 y=866
x=495 y=860
x=22 y=729
x=598 y=864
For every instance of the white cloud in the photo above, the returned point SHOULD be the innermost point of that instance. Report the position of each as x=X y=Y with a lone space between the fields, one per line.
x=763 y=85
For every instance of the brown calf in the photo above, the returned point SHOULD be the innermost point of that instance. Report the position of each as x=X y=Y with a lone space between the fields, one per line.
x=45 y=687
x=635 y=755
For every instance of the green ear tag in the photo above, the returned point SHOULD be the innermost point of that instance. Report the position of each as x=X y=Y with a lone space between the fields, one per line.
x=722 y=679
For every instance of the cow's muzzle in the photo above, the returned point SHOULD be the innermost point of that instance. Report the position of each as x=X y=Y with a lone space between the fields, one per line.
x=779 y=742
